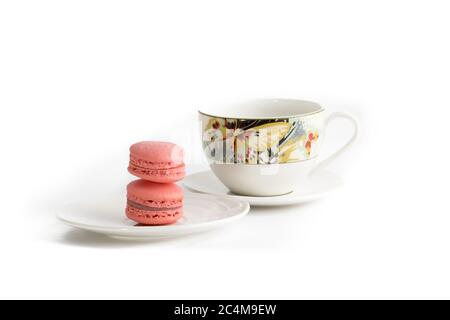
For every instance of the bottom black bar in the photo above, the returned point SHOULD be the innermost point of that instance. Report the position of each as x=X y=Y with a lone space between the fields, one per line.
x=240 y=309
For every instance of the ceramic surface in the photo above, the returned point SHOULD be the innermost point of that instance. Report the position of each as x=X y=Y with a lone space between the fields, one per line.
x=261 y=141
x=318 y=185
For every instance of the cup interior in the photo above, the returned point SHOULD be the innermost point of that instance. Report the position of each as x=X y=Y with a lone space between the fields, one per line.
x=263 y=109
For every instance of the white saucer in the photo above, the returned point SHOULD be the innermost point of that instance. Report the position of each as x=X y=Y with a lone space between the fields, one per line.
x=318 y=185
x=201 y=213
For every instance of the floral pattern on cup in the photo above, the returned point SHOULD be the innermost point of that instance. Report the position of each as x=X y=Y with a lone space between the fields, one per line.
x=267 y=141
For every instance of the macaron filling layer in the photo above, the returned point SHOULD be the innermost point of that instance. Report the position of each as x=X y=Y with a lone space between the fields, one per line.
x=151 y=164
x=148 y=208
x=157 y=171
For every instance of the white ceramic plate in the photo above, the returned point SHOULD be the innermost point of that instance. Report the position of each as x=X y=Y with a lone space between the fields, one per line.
x=318 y=185
x=201 y=213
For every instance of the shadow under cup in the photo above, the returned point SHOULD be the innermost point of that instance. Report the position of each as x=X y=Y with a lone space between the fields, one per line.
x=263 y=147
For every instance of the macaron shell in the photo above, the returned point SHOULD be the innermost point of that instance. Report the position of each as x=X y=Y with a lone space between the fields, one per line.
x=143 y=191
x=162 y=217
x=157 y=161
x=158 y=175
x=156 y=152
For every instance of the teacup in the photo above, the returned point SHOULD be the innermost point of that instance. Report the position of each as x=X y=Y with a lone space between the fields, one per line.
x=267 y=147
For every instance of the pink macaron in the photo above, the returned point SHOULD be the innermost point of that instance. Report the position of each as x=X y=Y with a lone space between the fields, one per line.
x=157 y=161
x=152 y=203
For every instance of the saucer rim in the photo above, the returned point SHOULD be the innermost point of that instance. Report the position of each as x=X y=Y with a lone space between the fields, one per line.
x=290 y=198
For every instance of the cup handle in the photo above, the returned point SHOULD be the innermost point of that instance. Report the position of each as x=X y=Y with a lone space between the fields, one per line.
x=333 y=116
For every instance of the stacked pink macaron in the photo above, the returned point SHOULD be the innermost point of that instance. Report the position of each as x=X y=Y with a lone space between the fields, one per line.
x=157 y=161
x=155 y=199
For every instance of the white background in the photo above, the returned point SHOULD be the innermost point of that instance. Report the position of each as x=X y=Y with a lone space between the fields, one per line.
x=82 y=80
